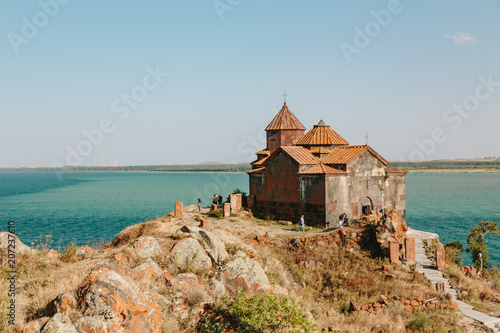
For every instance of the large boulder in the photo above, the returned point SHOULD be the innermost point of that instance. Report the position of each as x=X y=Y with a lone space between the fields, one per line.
x=210 y=241
x=150 y=228
x=85 y=250
x=147 y=247
x=35 y=326
x=113 y=303
x=247 y=274
x=59 y=323
x=185 y=282
x=149 y=268
x=189 y=299
x=234 y=241
x=189 y=255
x=4 y=244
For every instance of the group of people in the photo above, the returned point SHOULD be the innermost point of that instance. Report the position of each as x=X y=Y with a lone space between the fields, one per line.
x=343 y=221
x=216 y=199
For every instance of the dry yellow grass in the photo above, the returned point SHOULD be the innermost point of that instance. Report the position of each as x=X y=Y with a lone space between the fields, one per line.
x=339 y=275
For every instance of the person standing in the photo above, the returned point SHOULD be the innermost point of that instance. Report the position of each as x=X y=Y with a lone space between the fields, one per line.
x=199 y=205
x=220 y=199
x=215 y=198
x=302 y=223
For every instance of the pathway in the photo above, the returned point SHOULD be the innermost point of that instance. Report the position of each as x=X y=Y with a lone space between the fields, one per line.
x=425 y=267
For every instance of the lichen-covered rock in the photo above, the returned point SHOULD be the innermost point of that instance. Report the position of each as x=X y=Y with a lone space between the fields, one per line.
x=147 y=247
x=189 y=300
x=185 y=282
x=59 y=323
x=189 y=255
x=247 y=274
x=119 y=257
x=35 y=326
x=52 y=256
x=232 y=240
x=4 y=243
x=61 y=303
x=116 y=302
x=149 y=268
x=217 y=288
x=84 y=250
x=210 y=242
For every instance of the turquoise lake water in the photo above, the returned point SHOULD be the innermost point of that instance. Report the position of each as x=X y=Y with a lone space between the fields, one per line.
x=93 y=205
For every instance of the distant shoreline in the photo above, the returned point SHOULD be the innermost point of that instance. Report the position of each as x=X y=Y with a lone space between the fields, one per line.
x=429 y=171
x=435 y=166
x=454 y=171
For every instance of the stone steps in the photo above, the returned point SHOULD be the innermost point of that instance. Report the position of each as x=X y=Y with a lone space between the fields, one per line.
x=425 y=267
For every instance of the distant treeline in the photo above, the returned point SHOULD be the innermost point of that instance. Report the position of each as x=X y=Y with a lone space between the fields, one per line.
x=448 y=164
x=150 y=168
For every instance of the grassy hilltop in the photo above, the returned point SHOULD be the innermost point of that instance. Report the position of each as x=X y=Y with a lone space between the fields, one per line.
x=238 y=274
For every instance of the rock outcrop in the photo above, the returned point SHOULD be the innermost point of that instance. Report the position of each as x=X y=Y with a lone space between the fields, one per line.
x=149 y=268
x=247 y=274
x=4 y=243
x=59 y=323
x=84 y=250
x=147 y=247
x=212 y=244
x=113 y=302
x=189 y=255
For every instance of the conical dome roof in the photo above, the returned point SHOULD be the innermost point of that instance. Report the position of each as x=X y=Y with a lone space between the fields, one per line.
x=285 y=120
x=320 y=135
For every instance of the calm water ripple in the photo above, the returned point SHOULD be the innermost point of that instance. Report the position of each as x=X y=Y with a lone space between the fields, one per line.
x=90 y=206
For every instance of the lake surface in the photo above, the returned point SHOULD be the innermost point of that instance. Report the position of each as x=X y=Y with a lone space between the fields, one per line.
x=90 y=206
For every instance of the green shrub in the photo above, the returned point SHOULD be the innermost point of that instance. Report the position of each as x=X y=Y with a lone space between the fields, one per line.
x=218 y=213
x=207 y=325
x=69 y=253
x=453 y=252
x=238 y=191
x=261 y=313
x=420 y=323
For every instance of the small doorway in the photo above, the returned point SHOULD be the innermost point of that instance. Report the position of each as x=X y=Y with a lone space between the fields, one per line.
x=366 y=206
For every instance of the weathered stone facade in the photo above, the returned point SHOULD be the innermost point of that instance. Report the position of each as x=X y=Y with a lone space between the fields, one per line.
x=320 y=175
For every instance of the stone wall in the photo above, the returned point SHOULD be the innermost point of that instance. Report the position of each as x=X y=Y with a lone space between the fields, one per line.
x=281 y=183
x=278 y=138
x=291 y=211
x=336 y=198
x=394 y=194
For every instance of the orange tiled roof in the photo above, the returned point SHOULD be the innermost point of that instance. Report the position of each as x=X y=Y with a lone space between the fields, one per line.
x=345 y=154
x=321 y=135
x=259 y=170
x=263 y=152
x=393 y=170
x=285 y=119
x=259 y=162
x=321 y=169
x=320 y=150
x=300 y=154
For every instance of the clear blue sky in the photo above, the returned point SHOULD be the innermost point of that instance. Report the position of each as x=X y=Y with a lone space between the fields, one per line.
x=228 y=63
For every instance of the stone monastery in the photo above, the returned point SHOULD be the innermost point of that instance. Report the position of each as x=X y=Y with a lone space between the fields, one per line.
x=320 y=175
